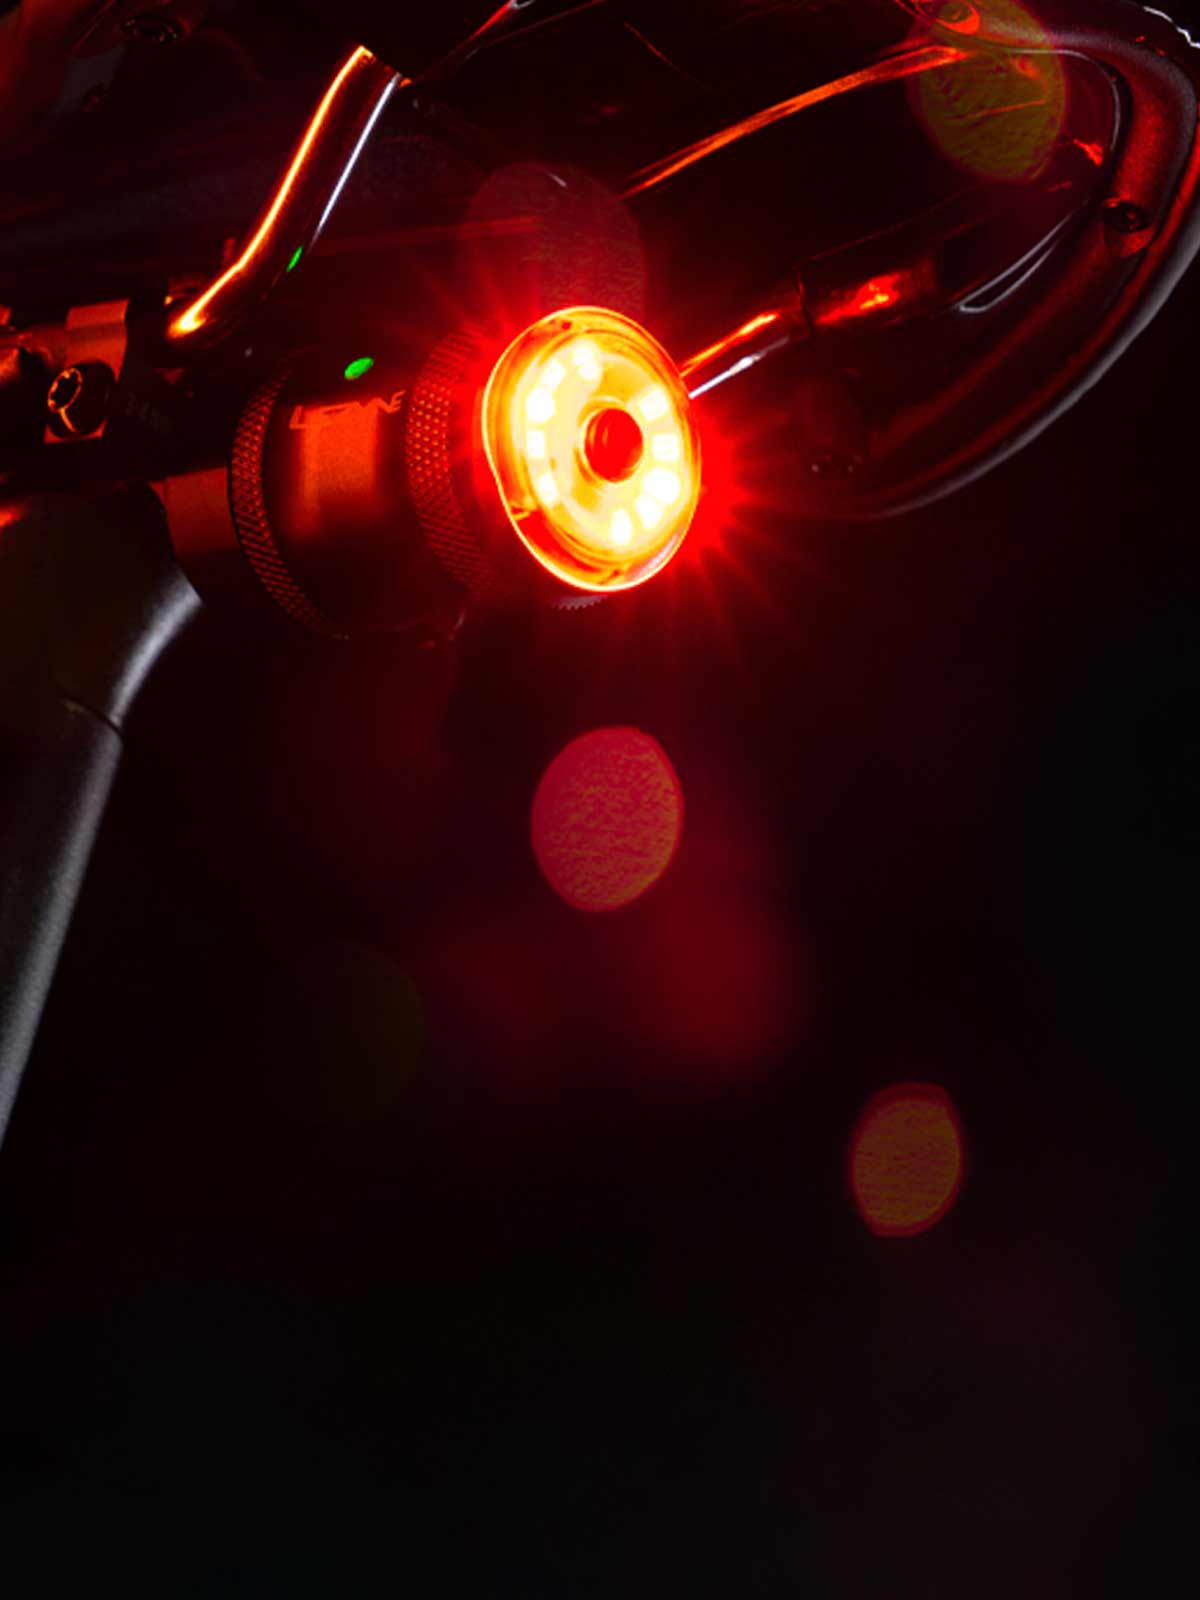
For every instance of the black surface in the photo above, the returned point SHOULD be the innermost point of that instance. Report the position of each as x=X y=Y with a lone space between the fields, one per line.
x=91 y=596
x=551 y=1311
x=554 y=1320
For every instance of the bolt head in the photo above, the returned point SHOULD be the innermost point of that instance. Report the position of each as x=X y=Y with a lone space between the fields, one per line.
x=1123 y=216
x=152 y=27
x=65 y=390
x=78 y=400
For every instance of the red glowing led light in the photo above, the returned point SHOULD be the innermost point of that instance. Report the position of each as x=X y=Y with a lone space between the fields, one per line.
x=590 y=437
x=906 y=1159
x=607 y=818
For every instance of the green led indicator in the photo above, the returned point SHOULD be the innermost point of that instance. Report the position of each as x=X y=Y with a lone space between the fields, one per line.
x=359 y=368
x=295 y=261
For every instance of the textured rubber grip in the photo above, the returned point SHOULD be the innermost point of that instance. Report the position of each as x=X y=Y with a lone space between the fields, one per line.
x=251 y=521
x=435 y=410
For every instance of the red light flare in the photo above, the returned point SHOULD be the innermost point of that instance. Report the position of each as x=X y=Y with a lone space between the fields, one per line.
x=906 y=1159
x=607 y=818
x=720 y=982
x=749 y=524
x=726 y=546
x=708 y=981
x=693 y=987
x=728 y=466
x=752 y=502
x=750 y=452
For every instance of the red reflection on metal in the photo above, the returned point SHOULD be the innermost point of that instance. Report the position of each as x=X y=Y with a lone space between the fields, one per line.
x=906 y=1159
x=333 y=455
x=1093 y=151
x=493 y=22
x=739 y=336
x=872 y=297
x=906 y=65
x=956 y=14
x=607 y=818
x=885 y=292
x=265 y=238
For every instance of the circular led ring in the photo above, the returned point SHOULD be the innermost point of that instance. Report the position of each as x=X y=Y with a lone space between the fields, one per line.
x=589 y=433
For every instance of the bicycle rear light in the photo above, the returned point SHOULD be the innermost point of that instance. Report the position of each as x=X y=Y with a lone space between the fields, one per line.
x=366 y=494
x=589 y=433
x=889 y=243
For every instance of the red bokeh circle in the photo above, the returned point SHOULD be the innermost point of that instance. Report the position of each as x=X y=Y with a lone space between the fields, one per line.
x=607 y=818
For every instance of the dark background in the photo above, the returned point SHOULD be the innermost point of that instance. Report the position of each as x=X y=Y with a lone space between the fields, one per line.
x=373 y=1220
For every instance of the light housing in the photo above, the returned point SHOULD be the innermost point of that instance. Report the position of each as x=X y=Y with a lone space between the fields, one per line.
x=370 y=494
x=591 y=440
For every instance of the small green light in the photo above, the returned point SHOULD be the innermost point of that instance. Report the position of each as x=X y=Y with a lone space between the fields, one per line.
x=295 y=261
x=359 y=368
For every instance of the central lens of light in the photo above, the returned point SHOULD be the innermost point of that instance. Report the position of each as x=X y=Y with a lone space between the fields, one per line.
x=589 y=433
x=613 y=444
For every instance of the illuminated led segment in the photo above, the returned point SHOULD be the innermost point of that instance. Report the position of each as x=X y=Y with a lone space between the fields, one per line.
x=539 y=405
x=649 y=510
x=653 y=404
x=586 y=362
x=589 y=434
x=620 y=529
x=663 y=485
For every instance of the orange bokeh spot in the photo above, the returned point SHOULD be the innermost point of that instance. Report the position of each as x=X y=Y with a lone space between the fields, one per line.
x=997 y=112
x=906 y=1159
x=607 y=818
